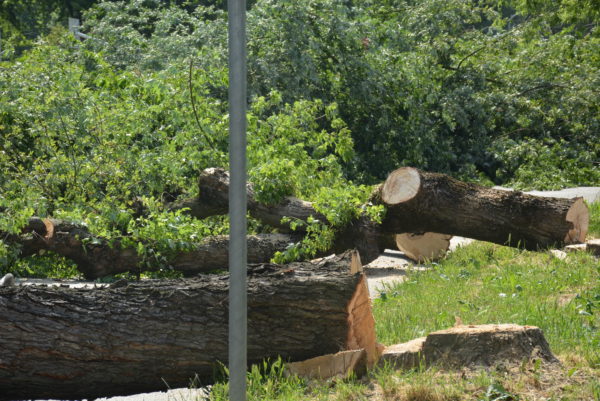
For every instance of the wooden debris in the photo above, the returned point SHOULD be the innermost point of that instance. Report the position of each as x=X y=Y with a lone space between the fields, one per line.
x=557 y=253
x=592 y=246
x=423 y=247
x=339 y=365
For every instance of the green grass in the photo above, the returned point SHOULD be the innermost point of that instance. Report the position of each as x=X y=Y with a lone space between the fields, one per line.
x=484 y=283
x=594 y=228
x=480 y=283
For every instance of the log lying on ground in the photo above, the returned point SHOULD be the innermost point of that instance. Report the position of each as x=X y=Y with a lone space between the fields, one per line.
x=418 y=201
x=423 y=247
x=73 y=343
x=96 y=257
x=214 y=200
x=360 y=234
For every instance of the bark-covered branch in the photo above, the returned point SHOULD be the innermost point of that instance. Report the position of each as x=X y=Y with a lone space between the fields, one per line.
x=97 y=257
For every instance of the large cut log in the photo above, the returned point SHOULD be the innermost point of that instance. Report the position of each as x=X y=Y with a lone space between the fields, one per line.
x=96 y=257
x=74 y=343
x=419 y=201
x=214 y=200
x=360 y=234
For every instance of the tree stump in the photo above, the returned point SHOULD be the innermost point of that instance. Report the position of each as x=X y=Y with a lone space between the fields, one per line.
x=468 y=346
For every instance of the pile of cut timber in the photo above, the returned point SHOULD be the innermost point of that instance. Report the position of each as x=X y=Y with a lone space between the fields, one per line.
x=85 y=343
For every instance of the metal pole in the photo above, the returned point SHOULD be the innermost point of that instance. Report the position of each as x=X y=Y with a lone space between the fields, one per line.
x=237 y=200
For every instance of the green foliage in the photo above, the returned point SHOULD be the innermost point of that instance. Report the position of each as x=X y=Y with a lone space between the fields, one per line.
x=549 y=164
x=69 y=155
x=340 y=94
x=42 y=266
x=594 y=228
x=266 y=381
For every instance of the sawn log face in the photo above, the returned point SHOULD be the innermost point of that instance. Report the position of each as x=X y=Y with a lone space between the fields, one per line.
x=70 y=343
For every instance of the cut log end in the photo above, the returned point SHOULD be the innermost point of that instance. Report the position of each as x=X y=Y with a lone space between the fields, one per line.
x=401 y=185
x=423 y=247
x=579 y=216
x=49 y=226
x=361 y=324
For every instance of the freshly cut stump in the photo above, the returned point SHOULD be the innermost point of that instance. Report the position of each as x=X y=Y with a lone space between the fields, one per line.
x=75 y=343
x=423 y=247
x=419 y=201
x=481 y=345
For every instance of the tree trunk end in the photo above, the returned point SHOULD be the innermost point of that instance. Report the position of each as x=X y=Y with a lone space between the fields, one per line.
x=401 y=185
x=579 y=216
x=423 y=247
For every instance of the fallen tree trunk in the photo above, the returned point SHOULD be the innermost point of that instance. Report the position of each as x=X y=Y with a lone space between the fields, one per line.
x=419 y=201
x=96 y=257
x=360 y=234
x=73 y=343
x=214 y=200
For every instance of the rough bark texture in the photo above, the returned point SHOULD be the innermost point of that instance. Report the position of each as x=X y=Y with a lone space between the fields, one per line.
x=214 y=189
x=418 y=201
x=69 y=343
x=96 y=257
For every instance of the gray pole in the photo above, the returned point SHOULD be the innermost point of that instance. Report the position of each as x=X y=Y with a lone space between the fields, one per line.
x=237 y=200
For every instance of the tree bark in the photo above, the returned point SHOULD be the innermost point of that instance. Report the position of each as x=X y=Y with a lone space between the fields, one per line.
x=74 y=343
x=360 y=234
x=96 y=257
x=419 y=201
x=213 y=200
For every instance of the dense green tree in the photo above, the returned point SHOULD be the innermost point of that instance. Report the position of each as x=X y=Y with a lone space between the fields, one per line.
x=340 y=94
